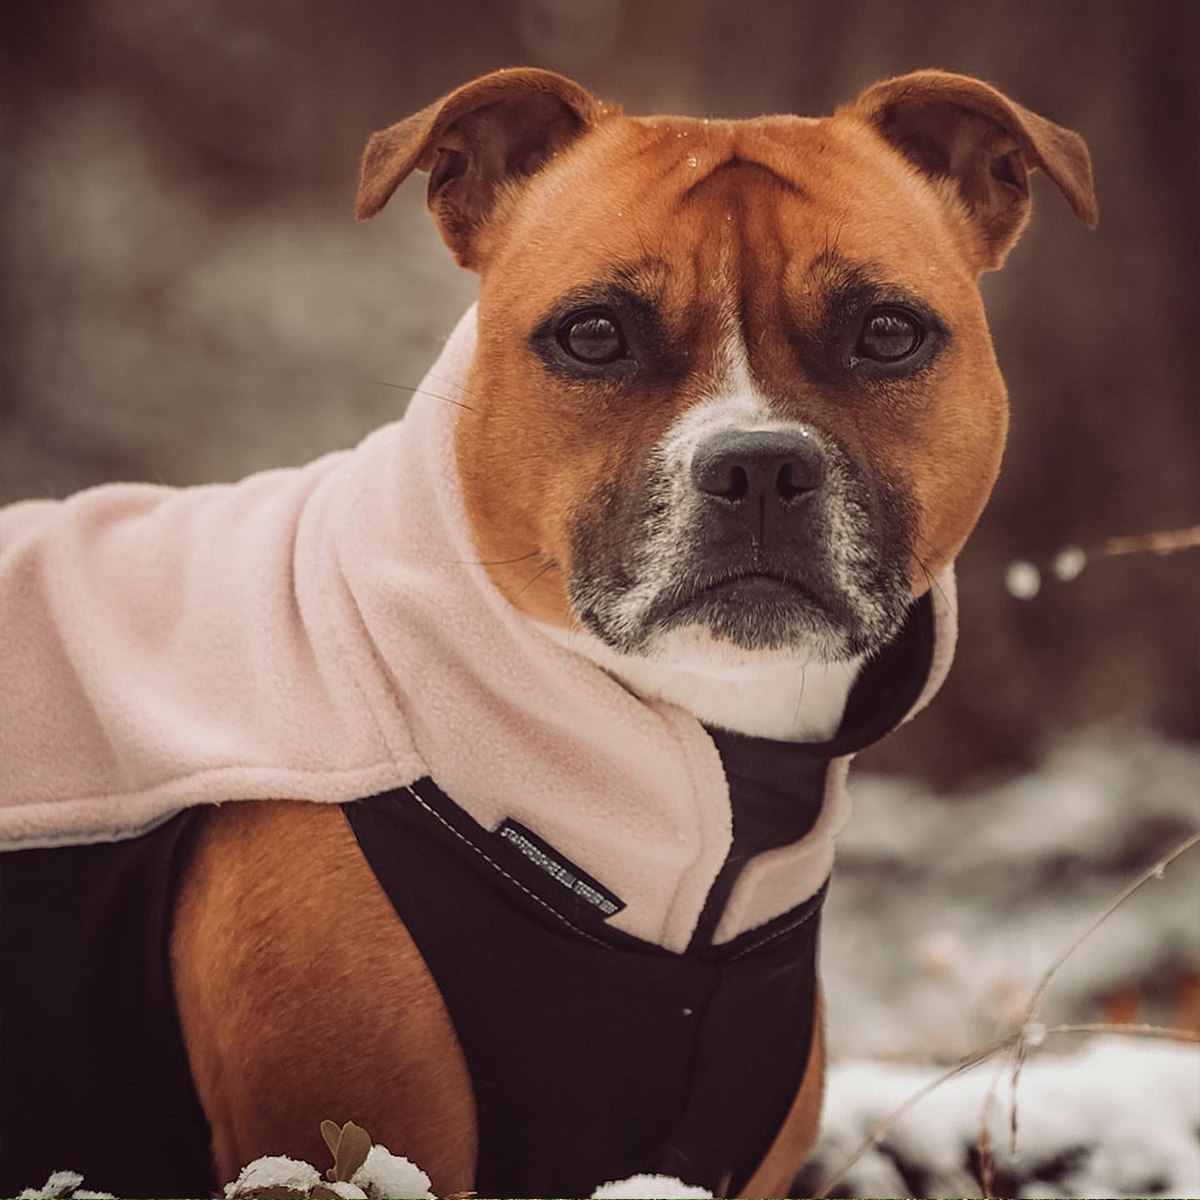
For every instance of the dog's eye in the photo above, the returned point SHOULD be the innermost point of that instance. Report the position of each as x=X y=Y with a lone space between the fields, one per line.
x=592 y=337
x=890 y=334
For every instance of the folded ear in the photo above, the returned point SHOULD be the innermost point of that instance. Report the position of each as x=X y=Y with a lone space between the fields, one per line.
x=957 y=128
x=498 y=128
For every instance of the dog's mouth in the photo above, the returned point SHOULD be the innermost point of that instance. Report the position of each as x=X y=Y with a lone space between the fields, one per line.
x=741 y=587
x=754 y=607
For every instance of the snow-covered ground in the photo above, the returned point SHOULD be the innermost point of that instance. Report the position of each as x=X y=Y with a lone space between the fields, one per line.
x=1116 y=1118
x=944 y=914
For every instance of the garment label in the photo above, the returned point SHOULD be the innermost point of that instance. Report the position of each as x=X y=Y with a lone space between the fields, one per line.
x=560 y=869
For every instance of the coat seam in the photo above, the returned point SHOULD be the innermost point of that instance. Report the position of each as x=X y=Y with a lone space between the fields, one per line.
x=492 y=862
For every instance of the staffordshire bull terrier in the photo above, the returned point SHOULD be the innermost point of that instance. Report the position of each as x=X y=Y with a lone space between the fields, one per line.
x=569 y=662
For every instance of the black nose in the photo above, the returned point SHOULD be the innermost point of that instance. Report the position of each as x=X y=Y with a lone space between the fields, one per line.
x=768 y=464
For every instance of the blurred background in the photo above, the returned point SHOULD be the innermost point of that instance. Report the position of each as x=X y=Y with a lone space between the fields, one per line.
x=187 y=297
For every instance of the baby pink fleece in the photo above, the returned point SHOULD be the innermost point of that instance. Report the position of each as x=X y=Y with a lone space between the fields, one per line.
x=324 y=633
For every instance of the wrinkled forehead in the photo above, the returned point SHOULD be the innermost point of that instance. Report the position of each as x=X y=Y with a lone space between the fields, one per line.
x=749 y=215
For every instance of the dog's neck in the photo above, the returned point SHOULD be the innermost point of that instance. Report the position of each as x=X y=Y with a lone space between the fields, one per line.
x=782 y=699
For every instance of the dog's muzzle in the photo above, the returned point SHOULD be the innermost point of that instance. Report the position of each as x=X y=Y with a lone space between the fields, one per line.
x=769 y=538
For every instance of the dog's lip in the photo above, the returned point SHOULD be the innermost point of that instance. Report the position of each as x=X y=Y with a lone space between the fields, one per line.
x=749 y=576
x=758 y=578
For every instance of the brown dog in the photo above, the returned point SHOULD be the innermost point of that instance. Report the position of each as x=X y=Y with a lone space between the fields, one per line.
x=733 y=406
x=909 y=193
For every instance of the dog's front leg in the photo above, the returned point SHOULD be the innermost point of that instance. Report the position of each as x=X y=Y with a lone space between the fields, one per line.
x=302 y=997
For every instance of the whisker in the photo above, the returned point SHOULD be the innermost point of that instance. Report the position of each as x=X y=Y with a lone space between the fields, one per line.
x=452 y=383
x=800 y=698
x=641 y=234
x=549 y=566
x=420 y=391
x=837 y=237
x=933 y=583
x=488 y=562
x=575 y=629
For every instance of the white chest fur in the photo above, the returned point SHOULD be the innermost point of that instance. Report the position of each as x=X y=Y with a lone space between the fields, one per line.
x=770 y=695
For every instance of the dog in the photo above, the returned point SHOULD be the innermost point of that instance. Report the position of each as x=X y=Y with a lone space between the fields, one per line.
x=570 y=663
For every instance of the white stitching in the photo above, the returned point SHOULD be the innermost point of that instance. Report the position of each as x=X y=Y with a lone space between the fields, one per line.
x=532 y=895
x=778 y=933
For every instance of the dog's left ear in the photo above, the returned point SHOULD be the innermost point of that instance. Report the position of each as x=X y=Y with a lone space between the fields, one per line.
x=961 y=129
x=493 y=131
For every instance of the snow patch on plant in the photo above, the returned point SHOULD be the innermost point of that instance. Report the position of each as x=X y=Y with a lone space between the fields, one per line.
x=274 y=1171
x=345 y=1190
x=648 y=1187
x=63 y=1184
x=387 y=1176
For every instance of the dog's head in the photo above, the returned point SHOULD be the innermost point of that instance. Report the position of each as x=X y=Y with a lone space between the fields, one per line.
x=734 y=393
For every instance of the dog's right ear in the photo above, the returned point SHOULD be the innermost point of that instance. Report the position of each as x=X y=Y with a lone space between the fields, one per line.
x=498 y=129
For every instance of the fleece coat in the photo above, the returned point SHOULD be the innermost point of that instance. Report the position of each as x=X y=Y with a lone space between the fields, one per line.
x=326 y=633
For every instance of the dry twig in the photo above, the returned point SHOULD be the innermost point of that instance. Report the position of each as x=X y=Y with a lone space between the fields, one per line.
x=1033 y=1008
x=1019 y=1041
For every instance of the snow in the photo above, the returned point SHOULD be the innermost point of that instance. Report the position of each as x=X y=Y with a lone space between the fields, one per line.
x=271 y=1172
x=383 y=1176
x=1022 y=580
x=1115 y=1118
x=649 y=1187
x=945 y=910
x=63 y=1183
x=943 y=915
x=348 y=1191
x=1069 y=563
x=387 y=1176
x=59 y=1183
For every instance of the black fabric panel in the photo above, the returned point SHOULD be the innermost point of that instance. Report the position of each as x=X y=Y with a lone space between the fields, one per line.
x=594 y=1055
x=887 y=686
x=775 y=800
x=93 y=1072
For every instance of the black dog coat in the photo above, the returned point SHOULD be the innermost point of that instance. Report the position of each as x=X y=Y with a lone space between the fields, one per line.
x=593 y=1054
